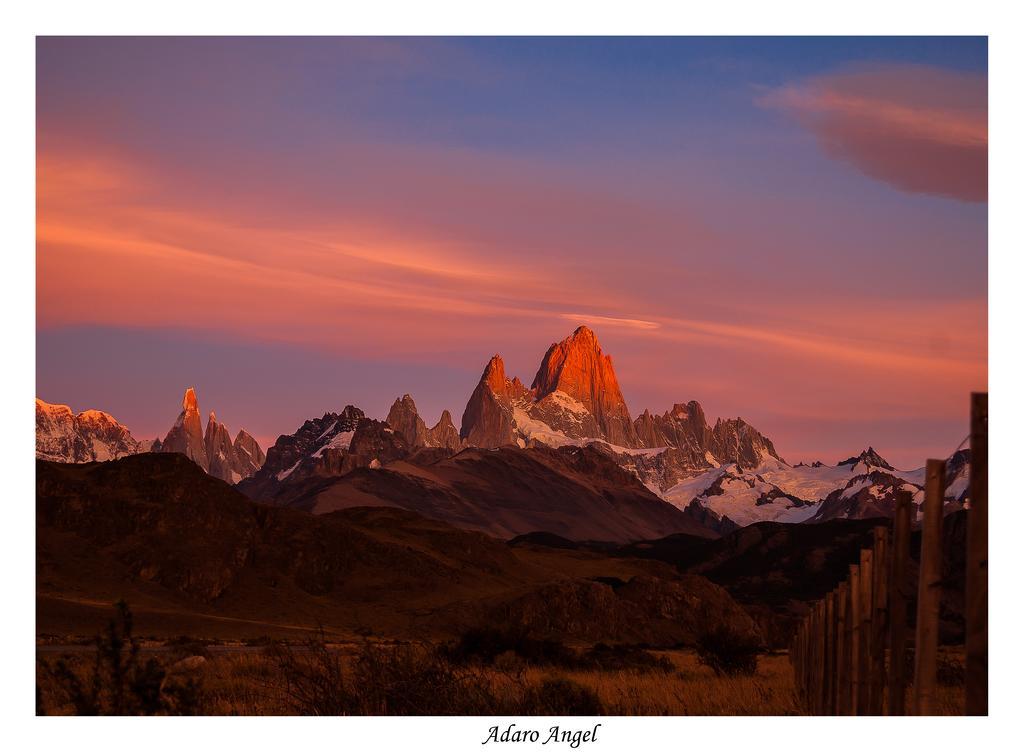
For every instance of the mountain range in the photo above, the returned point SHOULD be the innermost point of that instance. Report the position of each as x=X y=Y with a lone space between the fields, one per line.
x=563 y=455
x=95 y=436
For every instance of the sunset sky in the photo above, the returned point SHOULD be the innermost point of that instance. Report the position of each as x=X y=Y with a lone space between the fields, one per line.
x=788 y=230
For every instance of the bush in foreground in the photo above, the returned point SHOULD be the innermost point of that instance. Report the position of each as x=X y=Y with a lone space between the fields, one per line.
x=120 y=682
x=727 y=652
x=561 y=697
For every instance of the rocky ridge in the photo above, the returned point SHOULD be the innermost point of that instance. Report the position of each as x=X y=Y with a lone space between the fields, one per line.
x=89 y=436
x=213 y=450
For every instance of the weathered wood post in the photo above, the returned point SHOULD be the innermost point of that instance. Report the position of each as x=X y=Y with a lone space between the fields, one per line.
x=842 y=650
x=814 y=662
x=854 y=637
x=801 y=663
x=926 y=643
x=976 y=679
x=829 y=662
x=808 y=660
x=819 y=656
x=864 y=649
x=899 y=600
x=879 y=620
x=794 y=659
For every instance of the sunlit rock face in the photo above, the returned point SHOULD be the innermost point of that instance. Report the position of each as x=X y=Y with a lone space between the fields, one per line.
x=577 y=368
x=186 y=436
x=488 y=418
x=231 y=461
x=89 y=436
x=575 y=396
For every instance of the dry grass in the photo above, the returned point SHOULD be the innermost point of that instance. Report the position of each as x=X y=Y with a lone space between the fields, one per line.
x=251 y=683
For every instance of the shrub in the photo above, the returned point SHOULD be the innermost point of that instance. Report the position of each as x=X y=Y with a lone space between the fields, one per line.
x=728 y=653
x=396 y=680
x=624 y=657
x=484 y=645
x=120 y=682
x=414 y=680
x=561 y=697
x=312 y=680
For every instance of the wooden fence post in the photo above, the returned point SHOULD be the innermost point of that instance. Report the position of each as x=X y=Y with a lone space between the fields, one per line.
x=854 y=637
x=864 y=649
x=802 y=667
x=879 y=620
x=899 y=599
x=842 y=651
x=977 y=561
x=819 y=656
x=926 y=644
x=829 y=662
x=804 y=660
x=809 y=672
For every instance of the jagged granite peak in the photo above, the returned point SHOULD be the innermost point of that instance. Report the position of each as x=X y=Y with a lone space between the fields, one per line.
x=89 y=436
x=186 y=436
x=869 y=458
x=219 y=450
x=682 y=427
x=487 y=420
x=575 y=397
x=213 y=450
x=736 y=441
x=331 y=432
x=693 y=447
x=405 y=419
x=374 y=441
x=325 y=447
x=444 y=433
x=249 y=456
x=577 y=367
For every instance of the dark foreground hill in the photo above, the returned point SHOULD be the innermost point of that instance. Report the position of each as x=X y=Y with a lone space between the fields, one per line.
x=194 y=556
x=574 y=492
x=775 y=569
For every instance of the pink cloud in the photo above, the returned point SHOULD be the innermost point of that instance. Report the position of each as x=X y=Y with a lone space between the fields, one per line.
x=920 y=129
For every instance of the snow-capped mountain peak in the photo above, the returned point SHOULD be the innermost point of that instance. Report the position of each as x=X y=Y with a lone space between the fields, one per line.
x=89 y=436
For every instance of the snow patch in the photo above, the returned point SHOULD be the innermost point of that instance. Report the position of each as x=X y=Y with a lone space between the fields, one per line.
x=285 y=473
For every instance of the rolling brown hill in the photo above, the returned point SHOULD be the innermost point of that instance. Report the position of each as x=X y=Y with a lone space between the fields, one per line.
x=194 y=556
x=775 y=569
x=575 y=492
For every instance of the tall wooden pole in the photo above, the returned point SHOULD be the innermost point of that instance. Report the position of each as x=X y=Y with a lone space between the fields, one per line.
x=812 y=660
x=977 y=561
x=829 y=662
x=804 y=628
x=819 y=664
x=899 y=599
x=879 y=619
x=864 y=648
x=854 y=638
x=808 y=659
x=794 y=659
x=926 y=644
x=842 y=650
